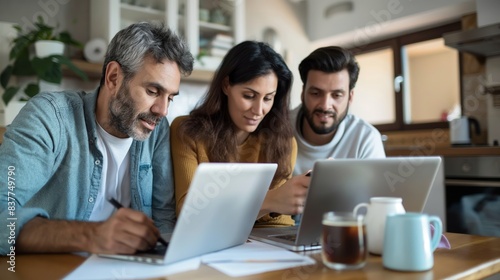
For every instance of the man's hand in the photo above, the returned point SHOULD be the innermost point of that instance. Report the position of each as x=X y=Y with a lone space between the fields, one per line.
x=126 y=232
x=289 y=198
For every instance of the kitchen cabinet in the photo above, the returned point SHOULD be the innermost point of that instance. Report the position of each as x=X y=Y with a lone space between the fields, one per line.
x=443 y=151
x=107 y=17
x=220 y=30
x=199 y=22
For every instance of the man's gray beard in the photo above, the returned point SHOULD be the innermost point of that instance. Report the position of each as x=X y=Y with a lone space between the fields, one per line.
x=122 y=115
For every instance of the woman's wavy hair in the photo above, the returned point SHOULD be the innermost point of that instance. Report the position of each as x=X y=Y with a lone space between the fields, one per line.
x=211 y=124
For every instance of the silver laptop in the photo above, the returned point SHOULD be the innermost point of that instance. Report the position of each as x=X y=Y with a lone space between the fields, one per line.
x=340 y=184
x=219 y=212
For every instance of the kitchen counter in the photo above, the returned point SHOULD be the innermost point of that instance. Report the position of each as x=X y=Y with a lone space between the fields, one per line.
x=442 y=151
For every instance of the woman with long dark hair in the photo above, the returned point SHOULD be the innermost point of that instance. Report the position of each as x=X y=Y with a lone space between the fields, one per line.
x=244 y=118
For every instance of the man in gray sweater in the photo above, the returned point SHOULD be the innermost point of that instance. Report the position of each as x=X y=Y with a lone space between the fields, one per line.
x=322 y=124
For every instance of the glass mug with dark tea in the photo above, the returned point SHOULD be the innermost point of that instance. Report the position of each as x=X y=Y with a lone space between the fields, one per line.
x=343 y=240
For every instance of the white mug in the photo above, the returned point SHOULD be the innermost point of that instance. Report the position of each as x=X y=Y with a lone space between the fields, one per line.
x=376 y=213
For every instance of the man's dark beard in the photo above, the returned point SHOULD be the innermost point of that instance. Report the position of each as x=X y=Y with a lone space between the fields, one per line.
x=324 y=130
x=122 y=115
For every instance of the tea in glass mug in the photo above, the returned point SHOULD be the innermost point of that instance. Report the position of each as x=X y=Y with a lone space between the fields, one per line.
x=343 y=240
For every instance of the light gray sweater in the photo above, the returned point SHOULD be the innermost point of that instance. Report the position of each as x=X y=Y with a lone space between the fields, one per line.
x=354 y=138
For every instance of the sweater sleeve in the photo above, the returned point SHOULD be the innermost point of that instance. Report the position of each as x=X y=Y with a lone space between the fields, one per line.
x=185 y=161
x=293 y=157
x=278 y=220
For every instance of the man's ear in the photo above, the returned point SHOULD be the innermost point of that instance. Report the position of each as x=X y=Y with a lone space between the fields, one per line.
x=302 y=94
x=113 y=76
x=351 y=96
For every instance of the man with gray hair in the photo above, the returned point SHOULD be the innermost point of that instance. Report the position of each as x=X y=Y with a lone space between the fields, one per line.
x=67 y=153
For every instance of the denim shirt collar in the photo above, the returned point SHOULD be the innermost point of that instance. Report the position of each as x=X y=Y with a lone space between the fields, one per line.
x=90 y=101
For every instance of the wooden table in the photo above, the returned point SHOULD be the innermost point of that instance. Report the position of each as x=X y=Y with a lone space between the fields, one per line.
x=471 y=257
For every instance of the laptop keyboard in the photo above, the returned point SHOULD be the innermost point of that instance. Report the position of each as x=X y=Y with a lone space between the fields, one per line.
x=289 y=237
x=159 y=249
x=287 y=234
x=293 y=238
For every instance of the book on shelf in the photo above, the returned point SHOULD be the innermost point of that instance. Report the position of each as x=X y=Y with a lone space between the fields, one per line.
x=217 y=46
x=215 y=42
x=207 y=62
x=223 y=38
x=217 y=52
x=220 y=44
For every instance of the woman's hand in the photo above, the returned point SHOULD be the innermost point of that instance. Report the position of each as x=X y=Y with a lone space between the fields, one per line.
x=289 y=198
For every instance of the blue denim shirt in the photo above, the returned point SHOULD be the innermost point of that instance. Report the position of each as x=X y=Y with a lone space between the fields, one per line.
x=51 y=149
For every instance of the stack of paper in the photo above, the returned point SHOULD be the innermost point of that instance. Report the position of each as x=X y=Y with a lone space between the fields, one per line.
x=250 y=258
x=96 y=267
x=253 y=258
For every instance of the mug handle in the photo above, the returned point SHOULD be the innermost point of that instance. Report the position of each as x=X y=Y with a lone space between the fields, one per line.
x=357 y=207
x=438 y=231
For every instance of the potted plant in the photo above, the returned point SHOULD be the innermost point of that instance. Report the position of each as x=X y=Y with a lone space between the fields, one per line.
x=44 y=65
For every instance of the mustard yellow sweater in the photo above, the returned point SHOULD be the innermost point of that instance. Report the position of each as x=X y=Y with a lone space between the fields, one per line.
x=186 y=155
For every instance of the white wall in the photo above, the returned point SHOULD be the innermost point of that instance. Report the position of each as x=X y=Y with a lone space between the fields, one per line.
x=376 y=19
x=71 y=15
x=189 y=96
x=280 y=15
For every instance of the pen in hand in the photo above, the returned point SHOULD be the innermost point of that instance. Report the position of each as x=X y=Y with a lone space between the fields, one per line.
x=118 y=205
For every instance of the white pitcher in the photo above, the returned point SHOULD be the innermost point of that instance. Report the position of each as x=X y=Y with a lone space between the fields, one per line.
x=376 y=213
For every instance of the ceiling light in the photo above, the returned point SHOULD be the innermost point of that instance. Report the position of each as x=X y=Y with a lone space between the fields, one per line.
x=342 y=7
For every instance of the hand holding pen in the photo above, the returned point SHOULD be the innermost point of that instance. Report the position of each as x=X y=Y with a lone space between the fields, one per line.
x=127 y=231
x=118 y=205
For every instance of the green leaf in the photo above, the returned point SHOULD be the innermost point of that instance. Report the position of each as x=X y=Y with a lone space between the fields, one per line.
x=9 y=94
x=66 y=38
x=43 y=31
x=48 y=69
x=5 y=76
x=21 y=46
x=41 y=64
x=32 y=89
x=22 y=66
x=65 y=61
x=18 y=28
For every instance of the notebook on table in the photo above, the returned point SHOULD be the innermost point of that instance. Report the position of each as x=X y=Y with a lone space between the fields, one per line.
x=340 y=184
x=219 y=212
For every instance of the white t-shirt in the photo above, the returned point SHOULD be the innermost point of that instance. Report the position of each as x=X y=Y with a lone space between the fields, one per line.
x=354 y=138
x=115 y=180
